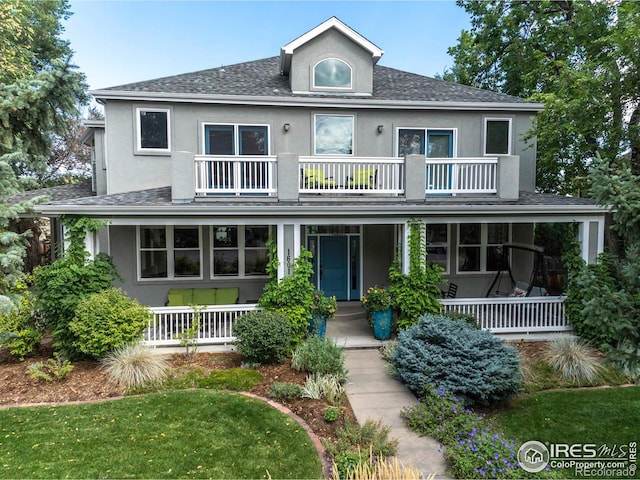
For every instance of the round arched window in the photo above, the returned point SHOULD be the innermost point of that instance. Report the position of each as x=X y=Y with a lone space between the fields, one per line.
x=332 y=73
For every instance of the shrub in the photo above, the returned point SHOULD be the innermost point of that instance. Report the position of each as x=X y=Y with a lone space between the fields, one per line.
x=356 y=443
x=107 y=320
x=318 y=355
x=472 y=320
x=416 y=293
x=61 y=286
x=264 y=336
x=469 y=363
x=574 y=359
x=284 y=391
x=331 y=414
x=292 y=295
x=472 y=448
x=23 y=331
x=135 y=366
x=54 y=369
x=236 y=379
x=331 y=387
x=376 y=468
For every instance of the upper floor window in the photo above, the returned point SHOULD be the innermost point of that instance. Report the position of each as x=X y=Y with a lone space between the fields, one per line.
x=153 y=129
x=332 y=73
x=431 y=143
x=333 y=135
x=167 y=252
x=480 y=246
x=236 y=140
x=497 y=136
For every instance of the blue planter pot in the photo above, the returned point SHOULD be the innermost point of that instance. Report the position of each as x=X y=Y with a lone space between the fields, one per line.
x=382 y=321
x=317 y=325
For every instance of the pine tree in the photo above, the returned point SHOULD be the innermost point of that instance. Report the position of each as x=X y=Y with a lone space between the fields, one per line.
x=39 y=90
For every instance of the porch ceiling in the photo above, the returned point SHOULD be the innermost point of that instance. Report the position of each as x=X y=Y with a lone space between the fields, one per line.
x=530 y=207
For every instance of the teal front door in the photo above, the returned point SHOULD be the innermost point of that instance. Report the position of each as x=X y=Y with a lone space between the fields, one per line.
x=333 y=266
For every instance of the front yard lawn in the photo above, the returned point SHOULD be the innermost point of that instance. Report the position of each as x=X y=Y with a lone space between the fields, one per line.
x=602 y=416
x=199 y=434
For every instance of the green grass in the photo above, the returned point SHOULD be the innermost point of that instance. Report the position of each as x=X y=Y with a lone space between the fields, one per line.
x=607 y=415
x=185 y=434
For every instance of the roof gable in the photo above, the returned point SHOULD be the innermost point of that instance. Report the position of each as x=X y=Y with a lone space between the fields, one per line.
x=286 y=52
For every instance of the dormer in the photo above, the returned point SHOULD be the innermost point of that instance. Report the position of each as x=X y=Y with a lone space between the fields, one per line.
x=331 y=59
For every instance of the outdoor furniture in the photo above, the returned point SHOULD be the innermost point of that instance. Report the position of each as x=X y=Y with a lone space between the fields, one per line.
x=451 y=292
x=363 y=178
x=314 y=178
x=178 y=297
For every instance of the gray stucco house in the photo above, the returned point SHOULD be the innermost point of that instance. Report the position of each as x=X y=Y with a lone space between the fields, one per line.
x=318 y=147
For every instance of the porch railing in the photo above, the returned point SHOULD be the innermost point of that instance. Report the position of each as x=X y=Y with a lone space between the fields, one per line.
x=514 y=314
x=231 y=175
x=450 y=176
x=352 y=175
x=215 y=324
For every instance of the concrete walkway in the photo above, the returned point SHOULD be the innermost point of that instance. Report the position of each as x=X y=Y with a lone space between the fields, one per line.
x=375 y=395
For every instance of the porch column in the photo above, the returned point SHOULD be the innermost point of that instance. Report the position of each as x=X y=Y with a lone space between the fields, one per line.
x=405 y=247
x=415 y=177
x=288 y=174
x=280 y=250
x=583 y=238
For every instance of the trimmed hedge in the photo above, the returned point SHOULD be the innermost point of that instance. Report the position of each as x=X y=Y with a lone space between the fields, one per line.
x=469 y=363
x=264 y=336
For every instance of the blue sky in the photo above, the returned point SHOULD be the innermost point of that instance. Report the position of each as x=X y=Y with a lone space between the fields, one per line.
x=118 y=42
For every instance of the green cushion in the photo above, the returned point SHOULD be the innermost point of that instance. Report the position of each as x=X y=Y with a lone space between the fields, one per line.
x=363 y=177
x=204 y=296
x=226 y=296
x=315 y=178
x=179 y=296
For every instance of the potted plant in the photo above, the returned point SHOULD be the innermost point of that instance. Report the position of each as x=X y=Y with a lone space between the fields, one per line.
x=323 y=308
x=377 y=303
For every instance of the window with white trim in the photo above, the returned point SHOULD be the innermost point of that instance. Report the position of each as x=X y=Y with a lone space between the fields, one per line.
x=236 y=139
x=333 y=134
x=497 y=136
x=438 y=244
x=332 y=73
x=239 y=251
x=430 y=142
x=480 y=246
x=168 y=252
x=153 y=129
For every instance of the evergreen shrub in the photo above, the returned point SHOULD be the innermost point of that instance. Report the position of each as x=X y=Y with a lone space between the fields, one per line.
x=469 y=363
x=264 y=336
x=107 y=320
x=23 y=331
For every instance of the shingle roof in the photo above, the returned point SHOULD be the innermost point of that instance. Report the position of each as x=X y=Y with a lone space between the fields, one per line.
x=263 y=78
x=161 y=197
x=60 y=193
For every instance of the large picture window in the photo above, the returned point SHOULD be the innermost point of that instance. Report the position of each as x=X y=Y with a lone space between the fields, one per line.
x=432 y=143
x=332 y=73
x=153 y=129
x=480 y=246
x=167 y=252
x=497 y=136
x=239 y=251
x=333 y=134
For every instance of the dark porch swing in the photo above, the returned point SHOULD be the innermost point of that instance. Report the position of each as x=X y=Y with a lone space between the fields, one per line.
x=538 y=279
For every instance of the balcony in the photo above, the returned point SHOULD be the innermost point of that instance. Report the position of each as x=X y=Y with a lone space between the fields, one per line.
x=291 y=177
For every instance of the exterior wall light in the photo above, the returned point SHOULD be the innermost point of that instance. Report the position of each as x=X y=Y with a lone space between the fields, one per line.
x=286 y=127
x=380 y=127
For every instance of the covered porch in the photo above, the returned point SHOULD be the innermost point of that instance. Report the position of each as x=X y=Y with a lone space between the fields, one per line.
x=530 y=318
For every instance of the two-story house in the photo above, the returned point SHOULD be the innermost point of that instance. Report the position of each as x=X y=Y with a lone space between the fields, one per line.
x=318 y=147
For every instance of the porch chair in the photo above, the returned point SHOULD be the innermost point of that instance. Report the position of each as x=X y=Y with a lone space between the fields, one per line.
x=451 y=291
x=363 y=178
x=314 y=178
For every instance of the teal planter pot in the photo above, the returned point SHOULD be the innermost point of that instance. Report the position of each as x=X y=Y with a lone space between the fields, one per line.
x=382 y=321
x=317 y=325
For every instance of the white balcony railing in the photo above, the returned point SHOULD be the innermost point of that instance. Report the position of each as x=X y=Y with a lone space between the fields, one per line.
x=215 y=324
x=230 y=175
x=351 y=175
x=451 y=176
x=514 y=314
